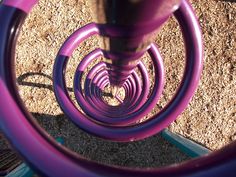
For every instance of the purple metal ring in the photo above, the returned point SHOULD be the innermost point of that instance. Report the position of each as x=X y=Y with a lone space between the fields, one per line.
x=34 y=144
x=78 y=88
x=77 y=80
x=121 y=121
x=127 y=107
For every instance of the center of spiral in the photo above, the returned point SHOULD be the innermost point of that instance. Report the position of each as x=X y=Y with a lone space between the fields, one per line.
x=113 y=95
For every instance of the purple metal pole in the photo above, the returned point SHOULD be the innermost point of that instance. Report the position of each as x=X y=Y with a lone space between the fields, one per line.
x=135 y=21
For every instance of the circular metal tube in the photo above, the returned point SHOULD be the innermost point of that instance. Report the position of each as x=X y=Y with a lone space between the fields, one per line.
x=34 y=144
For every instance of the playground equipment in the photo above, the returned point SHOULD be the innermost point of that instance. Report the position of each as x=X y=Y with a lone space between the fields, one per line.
x=129 y=37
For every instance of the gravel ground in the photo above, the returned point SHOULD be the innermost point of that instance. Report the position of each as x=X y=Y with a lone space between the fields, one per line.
x=210 y=119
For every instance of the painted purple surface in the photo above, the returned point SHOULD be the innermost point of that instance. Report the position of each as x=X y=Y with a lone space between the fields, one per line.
x=25 y=5
x=103 y=112
x=73 y=41
x=84 y=103
x=87 y=84
x=35 y=145
x=95 y=114
x=151 y=15
x=192 y=38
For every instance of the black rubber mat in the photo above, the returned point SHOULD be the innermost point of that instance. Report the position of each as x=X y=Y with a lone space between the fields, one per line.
x=8 y=161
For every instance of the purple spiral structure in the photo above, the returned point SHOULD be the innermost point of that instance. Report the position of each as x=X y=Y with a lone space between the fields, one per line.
x=127 y=37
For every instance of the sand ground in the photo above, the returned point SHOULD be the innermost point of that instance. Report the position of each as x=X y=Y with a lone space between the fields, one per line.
x=210 y=119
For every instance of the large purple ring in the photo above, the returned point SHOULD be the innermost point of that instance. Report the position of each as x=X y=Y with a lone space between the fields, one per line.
x=48 y=158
